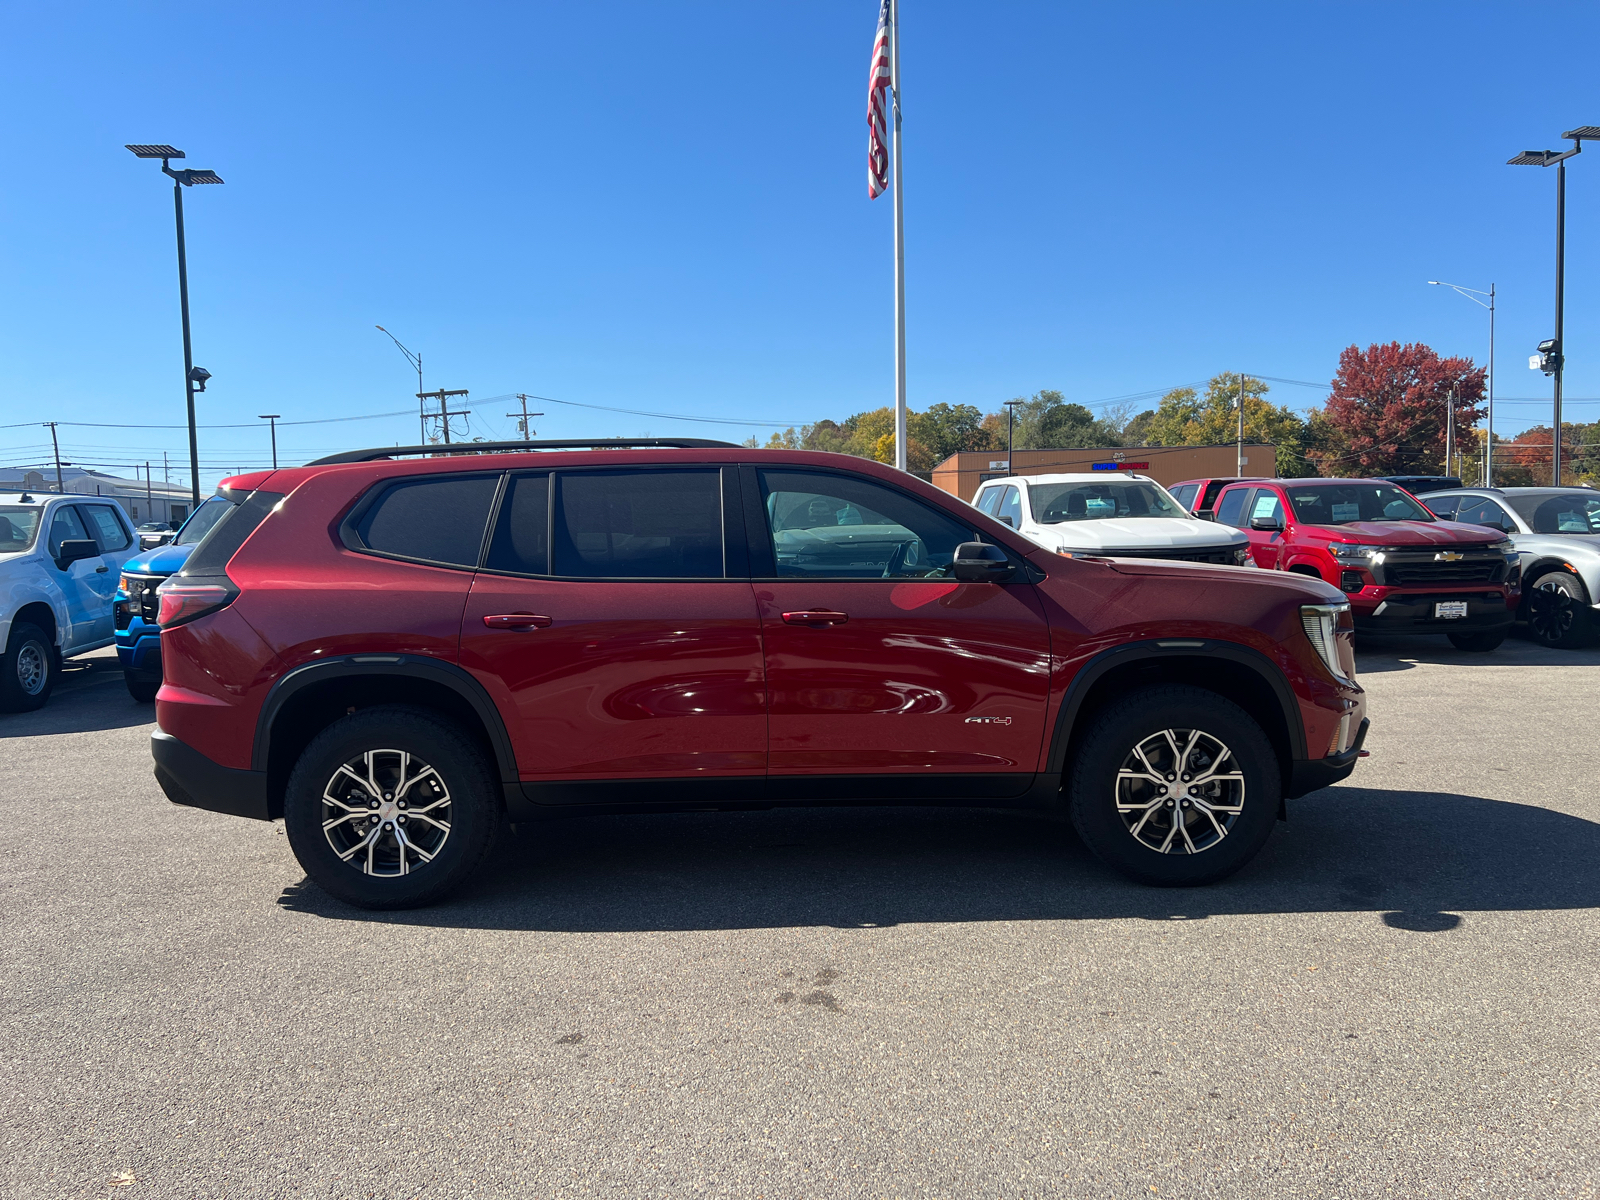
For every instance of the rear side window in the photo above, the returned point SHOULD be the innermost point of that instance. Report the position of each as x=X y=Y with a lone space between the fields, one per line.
x=638 y=524
x=222 y=540
x=107 y=527
x=522 y=535
x=1210 y=498
x=1231 y=508
x=434 y=520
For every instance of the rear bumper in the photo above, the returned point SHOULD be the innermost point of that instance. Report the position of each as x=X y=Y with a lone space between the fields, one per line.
x=190 y=778
x=1308 y=775
x=1413 y=613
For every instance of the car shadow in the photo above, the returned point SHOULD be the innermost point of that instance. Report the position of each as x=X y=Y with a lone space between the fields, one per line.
x=1377 y=653
x=90 y=696
x=1418 y=858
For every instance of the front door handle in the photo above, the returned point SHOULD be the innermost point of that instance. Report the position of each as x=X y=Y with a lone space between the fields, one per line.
x=520 y=620
x=101 y=570
x=815 y=616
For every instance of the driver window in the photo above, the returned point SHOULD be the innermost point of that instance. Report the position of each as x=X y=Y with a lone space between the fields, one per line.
x=987 y=500
x=1267 y=505
x=1010 y=510
x=65 y=526
x=1484 y=512
x=827 y=526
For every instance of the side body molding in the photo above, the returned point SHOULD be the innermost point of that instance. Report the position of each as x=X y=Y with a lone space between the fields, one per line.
x=1119 y=656
x=409 y=666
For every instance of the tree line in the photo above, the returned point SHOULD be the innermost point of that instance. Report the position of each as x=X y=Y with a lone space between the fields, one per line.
x=1386 y=414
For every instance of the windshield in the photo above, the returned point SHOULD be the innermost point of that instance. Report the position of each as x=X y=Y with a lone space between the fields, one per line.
x=1342 y=503
x=19 y=525
x=1564 y=512
x=1057 y=502
x=198 y=525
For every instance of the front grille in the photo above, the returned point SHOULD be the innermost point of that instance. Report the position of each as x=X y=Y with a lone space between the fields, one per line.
x=1425 y=574
x=142 y=598
x=1221 y=555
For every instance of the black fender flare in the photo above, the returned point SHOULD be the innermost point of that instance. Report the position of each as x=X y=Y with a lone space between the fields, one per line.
x=1550 y=563
x=1118 y=656
x=410 y=666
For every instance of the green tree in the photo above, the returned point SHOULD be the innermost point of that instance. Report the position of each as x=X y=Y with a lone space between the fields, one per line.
x=1045 y=421
x=1187 y=418
x=946 y=429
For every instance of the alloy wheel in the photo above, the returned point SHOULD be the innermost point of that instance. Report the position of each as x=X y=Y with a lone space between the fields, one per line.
x=1179 y=791
x=1551 y=612
x=33 y=668
x=386 y=813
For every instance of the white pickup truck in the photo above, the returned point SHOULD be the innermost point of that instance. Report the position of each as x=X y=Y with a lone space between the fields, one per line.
x=60 y=557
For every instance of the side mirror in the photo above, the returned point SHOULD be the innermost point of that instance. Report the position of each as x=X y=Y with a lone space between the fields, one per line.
x=1006 y=521
x=75 y=550
x=979 y=562
x=1266 y=524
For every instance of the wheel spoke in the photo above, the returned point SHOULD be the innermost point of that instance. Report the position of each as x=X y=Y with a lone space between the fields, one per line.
x=362 y=783
x=349 y=816
x=407 y=844
x=441 y=826
x=355 y=795
x=1211 y=817
x=1139 y=827
x=371 y=837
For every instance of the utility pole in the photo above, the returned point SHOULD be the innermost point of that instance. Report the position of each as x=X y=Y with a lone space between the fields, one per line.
x=1449 y=429
x=272 y=417
x=166 y=473
x=522 y=421
x=445 y=413
x=56 y=446
x=149 y=495
x=1239 y=468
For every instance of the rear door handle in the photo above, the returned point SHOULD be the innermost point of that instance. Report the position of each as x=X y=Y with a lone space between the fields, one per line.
x=522 y=620
x=815 y=616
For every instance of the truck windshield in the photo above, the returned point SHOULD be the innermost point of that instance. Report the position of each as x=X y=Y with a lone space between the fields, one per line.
x=197 y=526
x=1057 y=502
x=1343 y=503
x=19 y=525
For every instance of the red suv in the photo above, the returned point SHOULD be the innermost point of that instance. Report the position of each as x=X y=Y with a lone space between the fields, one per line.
x=397 y=656
x=1404 y=570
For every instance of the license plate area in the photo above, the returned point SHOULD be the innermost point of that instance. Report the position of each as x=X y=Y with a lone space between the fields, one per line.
x=1449 y=610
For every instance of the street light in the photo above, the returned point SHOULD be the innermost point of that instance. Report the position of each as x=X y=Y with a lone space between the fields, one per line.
x=1553 y=359
x=191 y=374
x=1011 y=412
x=273 y=418
x=416 y=363
x=1488 y=440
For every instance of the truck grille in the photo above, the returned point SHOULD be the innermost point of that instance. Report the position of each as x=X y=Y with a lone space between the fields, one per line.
x=1219 y=555
x=1427 y=573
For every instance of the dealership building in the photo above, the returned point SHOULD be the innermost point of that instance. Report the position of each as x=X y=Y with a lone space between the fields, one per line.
x=960 y=474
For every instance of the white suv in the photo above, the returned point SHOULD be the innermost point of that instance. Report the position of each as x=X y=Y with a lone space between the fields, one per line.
x=60 y=557
x=1115 y=515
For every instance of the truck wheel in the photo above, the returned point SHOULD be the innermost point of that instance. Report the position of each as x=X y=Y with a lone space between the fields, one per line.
x=28 y=669
x=1175 y=786
x=1481 y=642
x=1558 y=613
x=391 y=807
x=143 y=691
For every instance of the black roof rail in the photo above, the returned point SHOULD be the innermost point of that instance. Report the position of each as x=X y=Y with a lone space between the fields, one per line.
x=354 y=456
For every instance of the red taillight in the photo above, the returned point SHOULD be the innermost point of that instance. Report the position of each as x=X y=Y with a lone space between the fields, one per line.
x=182 y=602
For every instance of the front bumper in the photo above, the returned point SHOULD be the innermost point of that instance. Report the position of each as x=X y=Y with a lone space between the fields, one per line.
x=1307 y=775
x=139 y=649
x=190 y=778
x=1412 y=612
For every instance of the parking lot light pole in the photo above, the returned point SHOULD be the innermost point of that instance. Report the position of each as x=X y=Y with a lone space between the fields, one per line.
x=416 y=364
x=191 y=374
x=1488 y=440
x=273 y=419
x=1011 y=412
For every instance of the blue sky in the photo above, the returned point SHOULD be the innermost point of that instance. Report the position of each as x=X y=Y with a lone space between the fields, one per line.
x=663 y=207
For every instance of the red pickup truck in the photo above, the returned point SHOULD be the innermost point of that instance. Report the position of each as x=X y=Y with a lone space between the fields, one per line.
x=1404 y=570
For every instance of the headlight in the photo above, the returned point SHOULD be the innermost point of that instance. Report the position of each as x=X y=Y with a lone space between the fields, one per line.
x=124 y=583
x=1356 y=556
x=1074 y=552
x=1241 y=555
x=1322 y=623
x=1504 y=546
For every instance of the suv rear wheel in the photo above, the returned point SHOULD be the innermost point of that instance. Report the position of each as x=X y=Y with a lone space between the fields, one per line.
x=27 y=669
x=1175 y=786
x=1558 y=611
x=391 y=807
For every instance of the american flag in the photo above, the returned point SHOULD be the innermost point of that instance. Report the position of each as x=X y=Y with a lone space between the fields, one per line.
x=878 y=86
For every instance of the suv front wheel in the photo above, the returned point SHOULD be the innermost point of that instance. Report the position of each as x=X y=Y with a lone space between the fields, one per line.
x=391 y=807
x=1175 y=786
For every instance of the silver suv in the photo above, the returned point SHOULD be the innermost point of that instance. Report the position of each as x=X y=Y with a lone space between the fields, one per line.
x=1556 y=531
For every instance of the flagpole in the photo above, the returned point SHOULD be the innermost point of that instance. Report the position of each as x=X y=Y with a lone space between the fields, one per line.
x=899 y=250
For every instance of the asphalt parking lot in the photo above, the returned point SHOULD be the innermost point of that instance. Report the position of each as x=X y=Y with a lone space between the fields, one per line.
x=1398 y=998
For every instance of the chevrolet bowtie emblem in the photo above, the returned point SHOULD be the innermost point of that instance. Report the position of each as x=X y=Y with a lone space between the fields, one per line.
x=1448 y=556
x=988 y=720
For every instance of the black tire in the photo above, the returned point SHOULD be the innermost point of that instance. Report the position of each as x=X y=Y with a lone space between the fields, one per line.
x=1558 y=611
x=1477 y=642
x=471 y=809
x=1095 y=787
x=28 y=670
x=143 y=691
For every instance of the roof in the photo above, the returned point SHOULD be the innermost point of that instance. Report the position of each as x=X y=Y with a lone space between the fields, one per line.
x=1069 y=477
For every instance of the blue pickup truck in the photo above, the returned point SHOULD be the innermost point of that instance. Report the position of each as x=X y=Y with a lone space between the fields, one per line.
x=138 y=637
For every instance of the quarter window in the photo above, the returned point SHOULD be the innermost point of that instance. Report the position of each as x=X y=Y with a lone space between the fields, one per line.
x=827 y=526
x=108 y=527
x=644 y=524
x=434 y=520
x=1485 y=512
